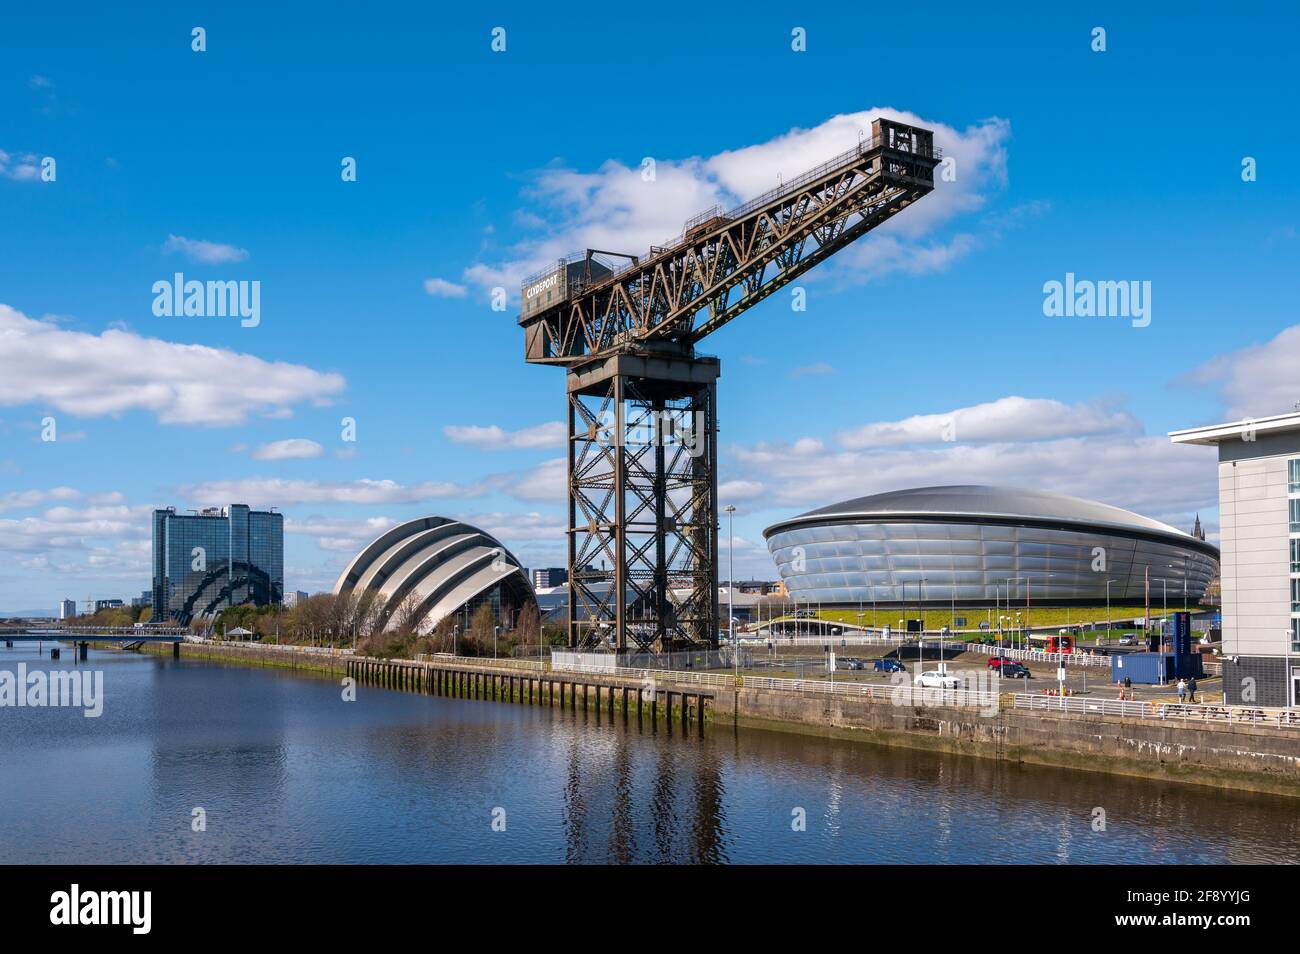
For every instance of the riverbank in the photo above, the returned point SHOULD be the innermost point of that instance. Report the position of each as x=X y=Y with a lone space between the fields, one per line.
x=1243 y=757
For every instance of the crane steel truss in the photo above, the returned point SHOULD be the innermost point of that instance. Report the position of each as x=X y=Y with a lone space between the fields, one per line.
x=647 y=508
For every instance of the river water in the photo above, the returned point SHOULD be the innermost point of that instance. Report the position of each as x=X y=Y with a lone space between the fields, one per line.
x=285 y=770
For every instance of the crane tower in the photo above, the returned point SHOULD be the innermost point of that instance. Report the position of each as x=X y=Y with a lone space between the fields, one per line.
x=642 y=404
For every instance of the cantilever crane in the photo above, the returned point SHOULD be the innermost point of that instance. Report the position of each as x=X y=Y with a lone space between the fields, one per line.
x=642 y=445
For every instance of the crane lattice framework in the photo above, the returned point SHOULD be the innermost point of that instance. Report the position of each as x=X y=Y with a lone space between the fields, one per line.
x=642 y=431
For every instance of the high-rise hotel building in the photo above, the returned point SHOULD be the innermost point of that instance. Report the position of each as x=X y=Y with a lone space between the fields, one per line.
x=205 y=561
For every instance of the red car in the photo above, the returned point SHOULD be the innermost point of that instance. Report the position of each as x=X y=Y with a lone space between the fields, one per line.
x=996 y=662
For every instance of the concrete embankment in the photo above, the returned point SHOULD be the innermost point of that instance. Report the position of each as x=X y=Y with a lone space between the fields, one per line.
x=1251 y=758
x=684 y=706
x=1232 y=756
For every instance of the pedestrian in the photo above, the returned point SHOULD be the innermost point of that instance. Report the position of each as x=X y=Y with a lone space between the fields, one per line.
x=1191 y=690
x=1182 y=691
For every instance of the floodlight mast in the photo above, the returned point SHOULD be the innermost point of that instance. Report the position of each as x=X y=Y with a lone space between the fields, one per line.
x=642 y=418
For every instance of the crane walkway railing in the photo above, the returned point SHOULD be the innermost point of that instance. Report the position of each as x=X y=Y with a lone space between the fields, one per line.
x=783 y=190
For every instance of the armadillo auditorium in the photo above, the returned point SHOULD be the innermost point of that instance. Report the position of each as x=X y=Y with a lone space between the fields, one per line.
x=976 y=545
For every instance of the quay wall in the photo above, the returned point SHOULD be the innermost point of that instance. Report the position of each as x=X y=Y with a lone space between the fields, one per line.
x=1253 y=758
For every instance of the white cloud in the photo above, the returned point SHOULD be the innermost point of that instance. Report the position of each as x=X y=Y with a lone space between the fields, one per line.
x=119 y=371
x=1256 y=381
x=879 y=255
x=548 y=482
x=441 y=288
x=1013 y=419
x=26 y=499
x=346 y=536
x=614 y=208
x=24 y=168
x=508 y=527
x=819 y=369
x=1146 y=474
x=199 y=250
x=491 y=437
x=67 y=529
x=275 y=492
x=733 y=491
x=294 y=448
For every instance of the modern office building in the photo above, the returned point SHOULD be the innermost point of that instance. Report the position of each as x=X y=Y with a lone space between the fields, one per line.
x=144 y=599
x=108 y=604
x=975 y=545
x=294 y=597
x=1259 y=534
x=433 y=568
x=67 y=609
x=550 y=576
x=205 y=561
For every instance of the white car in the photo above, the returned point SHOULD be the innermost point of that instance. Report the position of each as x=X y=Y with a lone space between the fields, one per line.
x=934 y=679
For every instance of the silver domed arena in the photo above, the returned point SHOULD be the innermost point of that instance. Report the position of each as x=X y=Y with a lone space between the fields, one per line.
x=974 y=545
x=443 y=567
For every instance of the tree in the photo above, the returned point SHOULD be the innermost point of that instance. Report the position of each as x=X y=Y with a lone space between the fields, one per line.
x=528 y=628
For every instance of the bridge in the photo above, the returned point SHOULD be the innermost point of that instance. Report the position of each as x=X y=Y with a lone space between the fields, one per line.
x=83 y=636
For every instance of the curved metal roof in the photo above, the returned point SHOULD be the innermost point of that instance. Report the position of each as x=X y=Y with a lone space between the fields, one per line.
x=439 y=562
x=996 y=504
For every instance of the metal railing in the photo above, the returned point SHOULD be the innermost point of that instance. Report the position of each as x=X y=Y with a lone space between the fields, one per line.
x=849 y=639
x=740 y=211
x=903 y=694
x=503 y=662
x=273 y=647
x=101 y=630
x=1036 y=655
x=1162 y=711
x=897 y=694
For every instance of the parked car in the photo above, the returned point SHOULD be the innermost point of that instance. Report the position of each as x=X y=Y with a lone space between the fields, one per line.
x=1128 y=639
x=889 y=665
x=1014 y=670
x=935 y=679
x=996 y=662
x=849 y=662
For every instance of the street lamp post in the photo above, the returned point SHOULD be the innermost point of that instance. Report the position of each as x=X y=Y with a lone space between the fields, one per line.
x=1010 y=580
x=731 y=585
x=1108 y=583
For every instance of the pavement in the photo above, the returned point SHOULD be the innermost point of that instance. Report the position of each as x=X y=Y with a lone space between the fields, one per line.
x=1079 y=680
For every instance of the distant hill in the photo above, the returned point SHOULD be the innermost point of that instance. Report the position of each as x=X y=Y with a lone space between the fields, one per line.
x=27 y=613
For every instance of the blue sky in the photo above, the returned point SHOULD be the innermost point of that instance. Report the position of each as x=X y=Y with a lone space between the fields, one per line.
x=473 y=166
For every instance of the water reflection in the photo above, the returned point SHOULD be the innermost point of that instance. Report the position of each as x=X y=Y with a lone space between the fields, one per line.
x=286 y=771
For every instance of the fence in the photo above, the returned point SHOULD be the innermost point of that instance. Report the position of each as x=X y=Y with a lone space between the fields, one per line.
x=897 y=694
x=1165 y=711
x=1035 y=655
x=607 y=662
x=848 y=639
x=504 y=662
x=272 y=647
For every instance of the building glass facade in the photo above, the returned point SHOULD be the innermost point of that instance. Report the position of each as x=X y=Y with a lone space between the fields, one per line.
x=978 y=563
x=205 y=562
x=979 y=545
